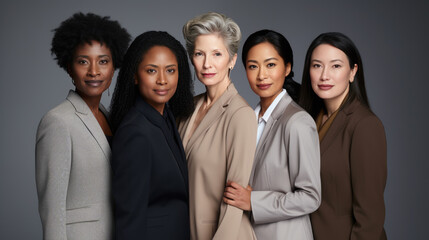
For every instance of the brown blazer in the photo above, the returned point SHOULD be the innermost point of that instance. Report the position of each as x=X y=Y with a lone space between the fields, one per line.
x=221 y=148
x=353 y=174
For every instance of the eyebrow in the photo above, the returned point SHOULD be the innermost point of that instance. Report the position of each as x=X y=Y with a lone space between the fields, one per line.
x=156 y=66
x=266 y=60
x=86 y=56
x=335 y=60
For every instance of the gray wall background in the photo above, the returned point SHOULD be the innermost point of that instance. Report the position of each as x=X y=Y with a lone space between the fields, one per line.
x=392 y=37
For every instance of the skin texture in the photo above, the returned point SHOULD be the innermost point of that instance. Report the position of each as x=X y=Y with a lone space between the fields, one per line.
x=266 y=72
x=330 y=75
x=92 y=70
x=157 y=77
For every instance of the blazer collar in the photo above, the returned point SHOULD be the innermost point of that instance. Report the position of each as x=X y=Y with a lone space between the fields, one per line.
x=337 y=125
x=88 y=119
x=275 y=115
x=173 y=142
x=214 y=113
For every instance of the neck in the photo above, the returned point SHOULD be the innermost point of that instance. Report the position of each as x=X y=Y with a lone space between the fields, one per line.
x=92 y=102
x=265 y=103
x=215 y=91
x=333 y=105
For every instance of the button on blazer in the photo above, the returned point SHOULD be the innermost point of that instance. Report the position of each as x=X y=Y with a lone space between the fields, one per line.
x=353 y=173
x=286 y=174
x=73 y=173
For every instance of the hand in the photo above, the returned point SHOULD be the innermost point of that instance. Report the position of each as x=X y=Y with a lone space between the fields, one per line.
x=237 y=196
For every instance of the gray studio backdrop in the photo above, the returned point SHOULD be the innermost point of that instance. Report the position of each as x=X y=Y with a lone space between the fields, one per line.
x=391 y=36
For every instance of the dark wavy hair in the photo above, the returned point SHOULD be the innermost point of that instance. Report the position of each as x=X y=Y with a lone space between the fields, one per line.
x=283 y=48
x=309 y=100
x=84 y=28
x=126 y=91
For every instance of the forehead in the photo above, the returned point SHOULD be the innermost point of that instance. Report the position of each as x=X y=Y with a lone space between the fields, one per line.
x=92 y=48
x=328 y=52
x=210 y=42
x=160 y=54
x=263 y=50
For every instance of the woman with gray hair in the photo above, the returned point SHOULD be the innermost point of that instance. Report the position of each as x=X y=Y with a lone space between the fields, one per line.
x=219 y=138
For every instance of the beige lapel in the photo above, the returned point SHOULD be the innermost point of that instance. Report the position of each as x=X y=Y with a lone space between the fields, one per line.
x=214 y=113
x=86 y=116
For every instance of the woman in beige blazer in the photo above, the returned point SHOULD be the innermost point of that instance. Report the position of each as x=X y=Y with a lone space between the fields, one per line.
x=352 y=142
x=286 y=172
x=219 y=137
x=72 y=151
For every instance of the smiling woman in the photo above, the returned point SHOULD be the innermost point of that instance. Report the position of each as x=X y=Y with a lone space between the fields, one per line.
x=72 y=151
x=150 y=177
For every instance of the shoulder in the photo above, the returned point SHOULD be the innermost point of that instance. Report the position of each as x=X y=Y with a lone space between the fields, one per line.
x=296 y=118
x=363 y=118
x=58 y=116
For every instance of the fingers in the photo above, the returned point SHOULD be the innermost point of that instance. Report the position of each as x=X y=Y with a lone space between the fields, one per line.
x=249 y=188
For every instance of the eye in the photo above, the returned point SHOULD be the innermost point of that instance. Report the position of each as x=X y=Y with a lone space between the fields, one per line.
x=316 y=65
x=271 y=65
x=197 y=54
x=251 y=67
x=336 y=66
x=171 y=70
x=104 y=61
x=151 y=71
x=218 y=54
x=82 y=61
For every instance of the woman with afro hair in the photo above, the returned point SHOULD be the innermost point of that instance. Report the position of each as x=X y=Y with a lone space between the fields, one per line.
x=72 y=148
x=150 y=176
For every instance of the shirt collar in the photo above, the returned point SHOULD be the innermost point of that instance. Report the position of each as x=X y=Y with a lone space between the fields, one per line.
x=270 y=109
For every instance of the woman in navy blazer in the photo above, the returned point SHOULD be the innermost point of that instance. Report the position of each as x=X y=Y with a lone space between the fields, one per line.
x=150 y=178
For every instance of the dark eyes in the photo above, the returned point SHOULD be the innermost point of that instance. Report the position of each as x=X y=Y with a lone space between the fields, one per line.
x=171 y=70
x=316 y=65
x=251 y=67
x=197 y=54
x=271 y=65
x=336 y=66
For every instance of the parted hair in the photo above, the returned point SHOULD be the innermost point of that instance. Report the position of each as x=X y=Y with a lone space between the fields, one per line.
x=126 y=91
x=212 y=23
x=84 y=28
x=283 y=48
x=309 y=99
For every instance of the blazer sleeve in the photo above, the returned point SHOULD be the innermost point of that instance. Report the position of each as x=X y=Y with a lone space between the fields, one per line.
x=304 y=173
x=241 y=145
x=368 y=164
x=53 y=161
x=131 y=167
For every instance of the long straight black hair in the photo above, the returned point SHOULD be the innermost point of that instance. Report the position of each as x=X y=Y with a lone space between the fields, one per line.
x=126 y=91
x=309 y=100
x=283 y=48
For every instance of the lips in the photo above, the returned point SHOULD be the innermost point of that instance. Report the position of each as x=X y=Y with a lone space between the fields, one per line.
x=325 y=86
x=94 y=83
x=208 y=75
x=161 y=92
x=263 y=86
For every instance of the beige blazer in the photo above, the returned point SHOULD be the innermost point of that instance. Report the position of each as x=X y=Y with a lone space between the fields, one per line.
x=73 y=173
x=221 y=148
x=286 y=174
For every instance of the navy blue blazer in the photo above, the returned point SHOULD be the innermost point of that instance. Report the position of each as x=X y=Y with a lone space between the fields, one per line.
x=150 y=177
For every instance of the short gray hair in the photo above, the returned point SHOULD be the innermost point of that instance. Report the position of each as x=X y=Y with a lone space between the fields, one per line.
x=212 y=23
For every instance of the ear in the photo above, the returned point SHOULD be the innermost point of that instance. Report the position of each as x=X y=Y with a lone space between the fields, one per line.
x=288 y=69
x=232 y=62
x=353 y=73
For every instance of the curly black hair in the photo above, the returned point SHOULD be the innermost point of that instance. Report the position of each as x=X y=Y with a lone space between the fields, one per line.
x=84 y=28
x=124 y=96
x=283 y=48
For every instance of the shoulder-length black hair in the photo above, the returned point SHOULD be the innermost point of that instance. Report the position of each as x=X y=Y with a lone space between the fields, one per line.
x=283 y=48
x=309 y=100
x=124 y=96
x=84 y=28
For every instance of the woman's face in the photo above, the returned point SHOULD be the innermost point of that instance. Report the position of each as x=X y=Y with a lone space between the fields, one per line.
x=331 y=74
x=211 y=59
x=266 y=70
x=91 y=69
x=157 y=76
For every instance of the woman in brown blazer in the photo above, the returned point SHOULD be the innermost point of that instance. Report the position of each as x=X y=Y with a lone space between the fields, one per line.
x=352 y=142
x=220 y=136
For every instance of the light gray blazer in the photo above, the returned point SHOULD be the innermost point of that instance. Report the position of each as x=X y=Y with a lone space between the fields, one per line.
x=73 y=173
x=286 y=174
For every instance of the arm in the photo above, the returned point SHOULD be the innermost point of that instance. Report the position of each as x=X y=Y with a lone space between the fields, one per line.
x=368 y=164
x=53 y=161
x=304 y=173
x=131 y=166
x=241 y=145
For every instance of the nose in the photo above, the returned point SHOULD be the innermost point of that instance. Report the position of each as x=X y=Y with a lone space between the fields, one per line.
x=93 y=70
x=161 y=80
x=325 y=74
x=262 y=74
x=207 y=62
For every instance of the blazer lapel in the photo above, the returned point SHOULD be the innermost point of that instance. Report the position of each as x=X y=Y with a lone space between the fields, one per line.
x=214 y=113
x=88 y=119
